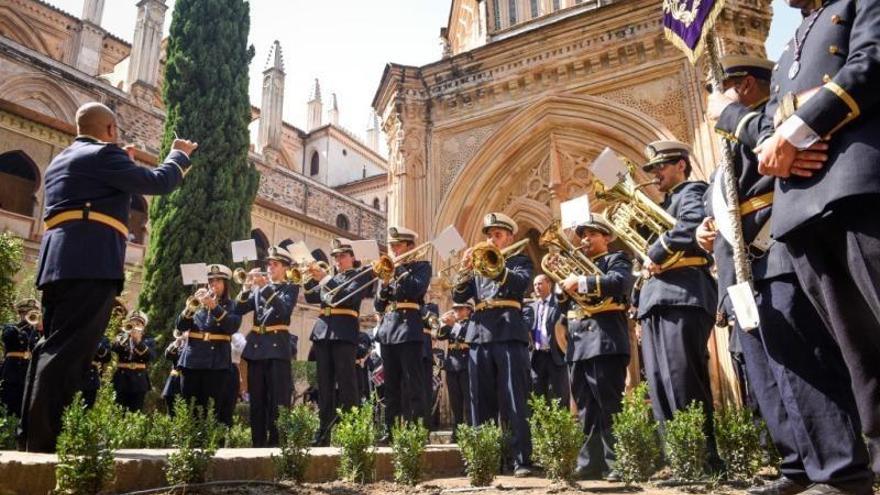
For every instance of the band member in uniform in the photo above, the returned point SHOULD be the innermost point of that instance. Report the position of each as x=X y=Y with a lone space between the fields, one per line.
x=430 y=314
x=824 y=98
x=498 y=338
x=88 y=189
x=598 y=346
x=549 y=371
x=794 y=367
x=401 y=332
x=233 y=381
x=171 y=390
x=96 y=372
x=131 y=381
x=206 y=354
x=454 y=330
x=18 y=341
x=676 y=305
x=334 y=336
x=271 y=298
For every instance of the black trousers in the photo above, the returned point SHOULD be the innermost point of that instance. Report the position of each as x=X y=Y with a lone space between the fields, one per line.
x=459 y=397
x=204 y=386
x=837 y=260
x=337 y=379
x=499 y=386
x=75 y=315
x=226 y=407
x=676 y=359
x=403 y=365
x=548 y=378
x=597 y=386
x=802 y=388
x=269 y=387
x=11 y=395
x=131 y=401
x=89 y=396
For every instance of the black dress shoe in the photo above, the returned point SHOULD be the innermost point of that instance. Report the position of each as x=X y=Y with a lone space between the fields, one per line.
x=385 y=439
x=586 y=474
x=848 y=489
x=320 y=440
x=612 y=476
x=781 y=486
x=522 y=471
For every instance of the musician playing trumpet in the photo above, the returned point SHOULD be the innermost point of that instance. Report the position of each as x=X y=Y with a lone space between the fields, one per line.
x=18 y=342
x=133 y=352
x=205 y=354
x=598 y=345
x=267 y=351
x=498 y=336
x=400 y=333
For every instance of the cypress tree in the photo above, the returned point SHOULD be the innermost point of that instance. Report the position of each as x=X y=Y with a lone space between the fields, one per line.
x=205 y=92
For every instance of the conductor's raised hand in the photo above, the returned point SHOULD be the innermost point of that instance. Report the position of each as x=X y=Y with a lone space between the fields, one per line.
x=185 y=146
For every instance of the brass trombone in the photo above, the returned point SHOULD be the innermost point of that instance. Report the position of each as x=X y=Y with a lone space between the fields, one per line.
x=488 y=261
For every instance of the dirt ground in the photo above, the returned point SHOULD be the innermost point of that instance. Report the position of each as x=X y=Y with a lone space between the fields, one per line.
x=503 y=485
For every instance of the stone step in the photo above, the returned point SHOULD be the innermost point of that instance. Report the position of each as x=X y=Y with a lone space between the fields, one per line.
x=22 y=472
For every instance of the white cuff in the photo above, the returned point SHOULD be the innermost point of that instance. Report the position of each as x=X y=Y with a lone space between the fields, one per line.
x=797 y=132
x=582 y=284
x=324 y=280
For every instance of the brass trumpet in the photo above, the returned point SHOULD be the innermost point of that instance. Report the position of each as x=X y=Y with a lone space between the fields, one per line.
x=194 y=303
x=33 y=317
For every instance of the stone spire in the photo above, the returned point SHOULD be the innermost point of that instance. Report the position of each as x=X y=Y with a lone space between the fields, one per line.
x=89 y=40
x=143 y=66
x=373 y=131
x=333 y=114
x=271 y=109
x=315 y=108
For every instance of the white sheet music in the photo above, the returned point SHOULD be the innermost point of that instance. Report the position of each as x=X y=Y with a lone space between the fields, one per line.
x=449 y=243
x=194 y=273
x=609 y=168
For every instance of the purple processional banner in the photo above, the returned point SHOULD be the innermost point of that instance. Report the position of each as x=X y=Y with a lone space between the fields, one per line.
x=686 y=24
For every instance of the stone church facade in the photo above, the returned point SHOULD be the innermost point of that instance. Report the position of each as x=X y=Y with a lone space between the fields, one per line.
x=316 y=183
x=527 y=94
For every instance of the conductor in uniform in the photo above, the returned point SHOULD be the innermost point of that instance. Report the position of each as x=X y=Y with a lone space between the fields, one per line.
x=677 y=303
x=549 y=370
x=824 y=100
x=498 y=338
x=207 y=352
x=334 y=336
x=598 y=345
x=793 y=365
x=88 y=188
x=400 y=332
x=131 y=381
x=271 y=298
x=18 y=341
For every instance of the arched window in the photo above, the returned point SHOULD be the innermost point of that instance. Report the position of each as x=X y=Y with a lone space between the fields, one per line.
x=315 y=164
x=19 y=179
x=376 y=204
x=137 y=220
x=262 y=243
x=342 y=222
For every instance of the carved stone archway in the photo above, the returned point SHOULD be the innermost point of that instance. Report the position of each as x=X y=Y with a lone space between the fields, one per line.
x=40 y=93
x=512 y=170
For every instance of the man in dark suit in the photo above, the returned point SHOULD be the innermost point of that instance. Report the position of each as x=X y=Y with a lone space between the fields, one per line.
x=271 y=299
x=824 y=100
x=334 y=336
x=400 y=333
x=549 y=371
x=676 y=305
x=598 y=345
x=498 y=338
x=794 y=367
x=88 y=189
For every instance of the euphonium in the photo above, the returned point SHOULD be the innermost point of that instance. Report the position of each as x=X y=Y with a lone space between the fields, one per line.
x=565 y=259
x=636 y=219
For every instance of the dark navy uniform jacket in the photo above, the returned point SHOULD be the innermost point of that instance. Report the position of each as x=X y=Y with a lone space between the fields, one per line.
x=403 y=325
x=687 y=286
x=498 y=324
x=841 y=55
x=607 y=333
x=204 y=354
x=17 y=338
x=427 y=345
x=133 y=380
x=741 y=128
x=530 y=312
x=172 y=383
x=338 y=327
x=272 y=305
x=99 y=362
x=456 y=359
x=102 y=178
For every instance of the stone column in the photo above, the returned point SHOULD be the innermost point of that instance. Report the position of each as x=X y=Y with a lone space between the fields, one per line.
x=406 y=127
x=271 y=110
x=143 y=67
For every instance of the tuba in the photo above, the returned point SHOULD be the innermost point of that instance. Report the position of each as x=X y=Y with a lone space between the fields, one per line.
x=565 y=259
x=634 y=217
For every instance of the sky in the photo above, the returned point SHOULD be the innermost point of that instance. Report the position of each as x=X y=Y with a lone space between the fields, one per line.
x=347 y=43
